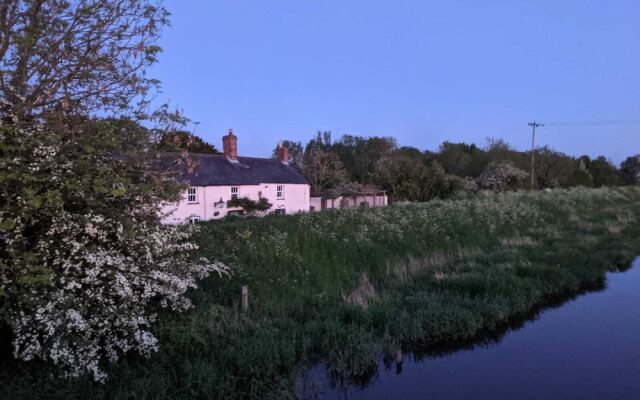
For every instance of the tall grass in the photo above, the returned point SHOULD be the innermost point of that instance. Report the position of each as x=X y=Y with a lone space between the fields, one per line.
x=351 y=286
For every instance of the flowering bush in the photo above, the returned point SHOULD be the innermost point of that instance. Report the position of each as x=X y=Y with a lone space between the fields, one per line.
x=84 y=261
x=501 y=175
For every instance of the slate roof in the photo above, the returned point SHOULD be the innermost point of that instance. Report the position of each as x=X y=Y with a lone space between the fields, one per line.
x=218 y=170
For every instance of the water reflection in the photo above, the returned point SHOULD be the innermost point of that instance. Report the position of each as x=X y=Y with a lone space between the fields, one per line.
x=574 y=347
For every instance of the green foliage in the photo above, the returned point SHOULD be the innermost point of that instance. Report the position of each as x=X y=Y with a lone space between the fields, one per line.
x=250 y=206
x=407 y=173
x=604 y=172
x=501 y=176
x=461 y=159
x=359 y=155
x=181 y=140
x=630 y=170
x=83 y=250
x=350 y=286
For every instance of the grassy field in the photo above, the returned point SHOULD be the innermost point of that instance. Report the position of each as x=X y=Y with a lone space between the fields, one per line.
x=349 y=287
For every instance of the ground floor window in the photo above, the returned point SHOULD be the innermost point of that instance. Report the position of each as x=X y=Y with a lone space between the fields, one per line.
x=280 y=211
x=193 y=219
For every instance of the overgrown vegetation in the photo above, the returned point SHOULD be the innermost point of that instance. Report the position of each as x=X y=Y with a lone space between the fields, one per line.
x=408 y=173
x=350 y=286
x=85 y=264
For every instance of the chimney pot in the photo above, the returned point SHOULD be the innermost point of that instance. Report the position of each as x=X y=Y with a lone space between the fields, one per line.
x=283 y=153
x=230 y=145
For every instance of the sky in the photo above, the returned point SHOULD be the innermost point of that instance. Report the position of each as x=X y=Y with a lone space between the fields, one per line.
x=421 y=71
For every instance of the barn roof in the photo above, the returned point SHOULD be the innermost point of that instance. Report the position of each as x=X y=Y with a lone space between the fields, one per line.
x=218 y=170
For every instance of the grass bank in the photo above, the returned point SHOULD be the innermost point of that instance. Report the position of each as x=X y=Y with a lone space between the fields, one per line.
x=352 y=286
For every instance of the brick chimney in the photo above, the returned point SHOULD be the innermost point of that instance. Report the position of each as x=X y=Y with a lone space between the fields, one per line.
x=282 y=153
x=230 y=145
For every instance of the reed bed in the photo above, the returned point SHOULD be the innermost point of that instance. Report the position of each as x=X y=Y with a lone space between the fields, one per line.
x=351 y=287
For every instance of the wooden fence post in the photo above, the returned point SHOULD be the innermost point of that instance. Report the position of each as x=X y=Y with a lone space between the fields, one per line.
x=245 y=298
x=398 y=361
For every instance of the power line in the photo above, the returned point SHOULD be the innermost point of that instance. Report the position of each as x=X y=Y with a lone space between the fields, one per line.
x=594 y=123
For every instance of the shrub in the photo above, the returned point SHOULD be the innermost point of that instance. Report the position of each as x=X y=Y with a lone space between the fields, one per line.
x=500 y=176
x=250 y=206
x=84 y=261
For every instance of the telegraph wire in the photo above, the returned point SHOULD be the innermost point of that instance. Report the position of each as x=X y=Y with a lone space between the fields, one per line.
x=593 y=123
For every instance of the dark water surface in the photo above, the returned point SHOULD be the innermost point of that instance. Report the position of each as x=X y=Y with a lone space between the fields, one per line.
x=588 y=348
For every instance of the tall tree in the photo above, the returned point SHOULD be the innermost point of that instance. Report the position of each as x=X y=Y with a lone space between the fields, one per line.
x=461 y=159
x=179 y=140
x=84 y=261
x=604 y=172
x=553 y=169
x=630 y=170
x=85 y=55
x=323 y=170
x=407 y=175
x=359 y=155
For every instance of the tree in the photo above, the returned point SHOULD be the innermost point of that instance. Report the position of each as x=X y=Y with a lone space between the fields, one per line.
x=553 y=168
x=323 y=170
x=185 y=141
x=406 y=175
x=84 y=263
x=581 y=174
x=461 y=159
x=90 y=55
x=359 y=154
x=296 y=154
x=604 y=172
x=630 y=170
x=500 y=176
x=321 y=141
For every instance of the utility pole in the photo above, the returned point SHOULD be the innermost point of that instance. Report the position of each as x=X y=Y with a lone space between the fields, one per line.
x=533 y=125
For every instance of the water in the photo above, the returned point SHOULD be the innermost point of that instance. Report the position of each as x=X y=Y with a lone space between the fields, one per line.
x=589 y=348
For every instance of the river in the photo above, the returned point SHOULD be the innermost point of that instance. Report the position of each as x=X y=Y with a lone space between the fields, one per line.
x=587 y=348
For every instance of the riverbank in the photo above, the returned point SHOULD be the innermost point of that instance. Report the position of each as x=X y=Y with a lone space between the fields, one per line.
x=353 y=286
x=580 y=347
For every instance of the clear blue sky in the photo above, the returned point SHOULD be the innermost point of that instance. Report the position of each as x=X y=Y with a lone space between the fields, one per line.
x=421 y=71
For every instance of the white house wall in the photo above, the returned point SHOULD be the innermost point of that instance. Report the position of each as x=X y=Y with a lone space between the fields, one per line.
x=349 y=202
x=296 y=199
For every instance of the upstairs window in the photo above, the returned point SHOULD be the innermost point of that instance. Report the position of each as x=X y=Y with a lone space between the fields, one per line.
x=280 y=192
x=192 y=195
x=234 y=192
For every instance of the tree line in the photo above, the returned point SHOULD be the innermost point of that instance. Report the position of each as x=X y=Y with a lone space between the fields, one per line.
x=408 y=173
x=342 y=167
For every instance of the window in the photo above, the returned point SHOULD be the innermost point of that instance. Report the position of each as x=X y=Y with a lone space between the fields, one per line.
x=192 y=195
x=234 y=192
x=280 y=211
x=193 y=219
x=280 y=192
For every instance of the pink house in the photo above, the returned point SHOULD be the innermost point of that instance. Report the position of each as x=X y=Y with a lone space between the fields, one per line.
x=217 y=178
